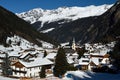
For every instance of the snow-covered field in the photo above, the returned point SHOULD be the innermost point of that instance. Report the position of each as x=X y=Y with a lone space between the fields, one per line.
x=81 y=75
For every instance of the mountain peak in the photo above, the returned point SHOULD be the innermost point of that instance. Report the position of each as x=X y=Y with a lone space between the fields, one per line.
x=70 y=13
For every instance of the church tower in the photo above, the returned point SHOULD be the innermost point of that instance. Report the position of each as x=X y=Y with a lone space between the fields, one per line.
x=73 y=44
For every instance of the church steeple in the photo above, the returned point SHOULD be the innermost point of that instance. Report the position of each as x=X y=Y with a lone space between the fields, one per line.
x=73 y=40
x=73 y=44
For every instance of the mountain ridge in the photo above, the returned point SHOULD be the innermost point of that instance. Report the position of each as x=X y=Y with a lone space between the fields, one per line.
x=69 y=13
x=11 y=25
x=86 y=30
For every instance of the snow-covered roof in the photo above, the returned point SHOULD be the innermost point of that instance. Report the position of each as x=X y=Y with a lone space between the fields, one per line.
x=51 y=55
x=2 y=48
x=75 y=54
x=24 y=55
x=83 y=63
x=82 y=59
x=70 y=61
x=64 y=44
x=95 y=60
x=14 y=53
x=101 y=53
x=86 y=54
x=104 y=61
x=2 y=55
x=96 y=54
x=36 y=62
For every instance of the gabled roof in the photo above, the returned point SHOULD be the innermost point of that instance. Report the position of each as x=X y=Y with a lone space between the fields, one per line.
x=70 y=61
x=24 y=55
x=18 y=64
x=95 y=60
x=36 y=62
x=51 y=55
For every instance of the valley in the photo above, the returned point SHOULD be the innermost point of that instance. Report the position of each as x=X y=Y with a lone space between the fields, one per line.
x=67 y=43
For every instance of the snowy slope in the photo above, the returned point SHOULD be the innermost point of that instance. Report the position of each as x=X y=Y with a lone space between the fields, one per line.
x=19 y=44
x=81 y=75
x=70 y=13
x=48 y=30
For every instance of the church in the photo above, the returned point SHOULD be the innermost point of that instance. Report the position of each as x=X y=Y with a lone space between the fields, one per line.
x=70 y=47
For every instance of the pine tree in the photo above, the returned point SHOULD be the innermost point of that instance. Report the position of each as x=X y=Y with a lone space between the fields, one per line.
x=61 y=63
x=45 y=53
x=115 y=54
x=42 y=73
x=6 y=70
x=80 y=52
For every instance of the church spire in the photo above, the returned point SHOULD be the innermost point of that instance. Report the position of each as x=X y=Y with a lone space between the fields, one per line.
x=73 y=40
x=73 y=44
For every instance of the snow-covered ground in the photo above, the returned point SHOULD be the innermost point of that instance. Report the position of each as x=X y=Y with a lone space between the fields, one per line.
x=46 y=45
x=48 y=30
x=6 y=78
x=18 y=44
x=81 y=75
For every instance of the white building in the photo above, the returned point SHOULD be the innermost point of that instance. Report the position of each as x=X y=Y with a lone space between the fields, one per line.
x=30 y=69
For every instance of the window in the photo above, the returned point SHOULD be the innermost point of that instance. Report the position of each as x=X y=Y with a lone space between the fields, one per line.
x=39 y=67
x=15 y=72
x=30 y=75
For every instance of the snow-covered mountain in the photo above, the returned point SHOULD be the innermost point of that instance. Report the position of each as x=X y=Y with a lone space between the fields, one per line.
x=85 y=24
x=68 y=13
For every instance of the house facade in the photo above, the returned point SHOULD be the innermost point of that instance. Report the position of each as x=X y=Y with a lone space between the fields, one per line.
x=30 y=69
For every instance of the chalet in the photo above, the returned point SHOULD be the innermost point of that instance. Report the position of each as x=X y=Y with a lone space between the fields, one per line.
x=30 y=55
x=14 y=58
x=93 y=60
x=83 y=63
x=30 y=69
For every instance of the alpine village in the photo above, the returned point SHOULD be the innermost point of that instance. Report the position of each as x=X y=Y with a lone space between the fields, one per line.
x=61 y=44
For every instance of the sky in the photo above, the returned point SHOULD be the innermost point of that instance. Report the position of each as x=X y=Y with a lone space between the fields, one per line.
x=18 y=6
